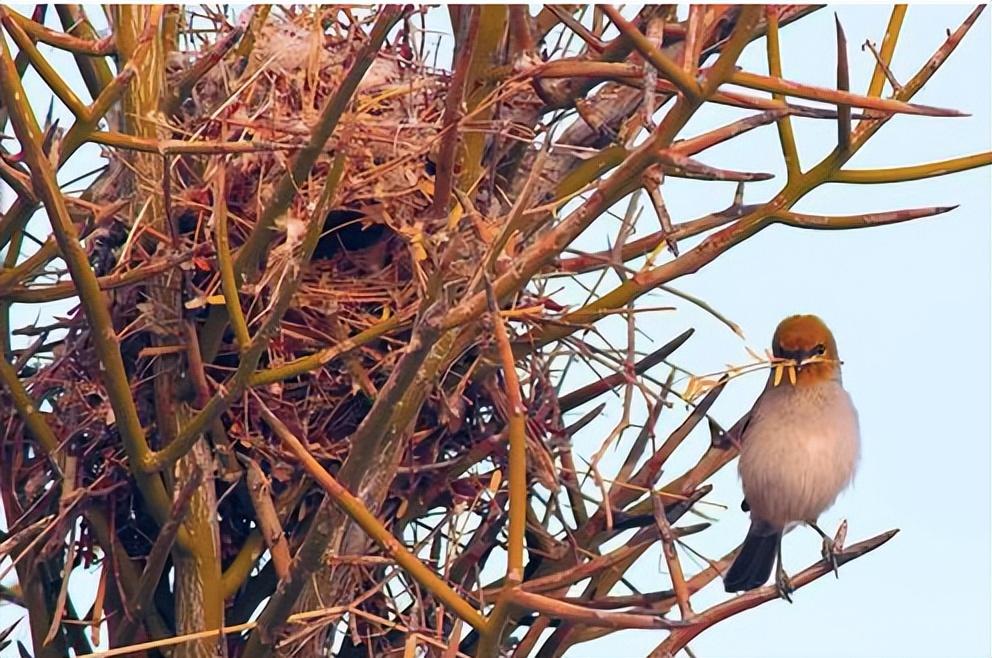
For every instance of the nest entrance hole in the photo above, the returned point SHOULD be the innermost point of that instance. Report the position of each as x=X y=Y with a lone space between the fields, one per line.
x=347 y=231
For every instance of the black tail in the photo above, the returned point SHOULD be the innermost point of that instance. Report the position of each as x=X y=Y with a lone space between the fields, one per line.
x=754 y=563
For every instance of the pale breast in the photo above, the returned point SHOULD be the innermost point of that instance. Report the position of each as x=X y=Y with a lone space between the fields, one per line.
x=799 y=451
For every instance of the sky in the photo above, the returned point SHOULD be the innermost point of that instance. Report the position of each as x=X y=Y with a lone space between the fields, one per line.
x=910 y=307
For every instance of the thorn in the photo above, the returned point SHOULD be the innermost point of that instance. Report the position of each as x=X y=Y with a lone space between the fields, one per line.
x=885 y=68
x=50 y=113
x=840 y=536
x=739 y=195
x=654 y=179
x=843 y=84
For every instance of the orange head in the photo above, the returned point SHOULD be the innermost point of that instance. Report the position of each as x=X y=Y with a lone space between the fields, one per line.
x=807 y=341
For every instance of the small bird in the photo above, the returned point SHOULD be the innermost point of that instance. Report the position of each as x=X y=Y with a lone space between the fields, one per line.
x=799 y=450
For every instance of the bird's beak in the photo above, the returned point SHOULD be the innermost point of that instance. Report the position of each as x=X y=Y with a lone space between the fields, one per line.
x=795 y=362
x=804 y=359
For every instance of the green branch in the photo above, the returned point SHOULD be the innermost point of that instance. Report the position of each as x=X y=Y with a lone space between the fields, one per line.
x=914 y=172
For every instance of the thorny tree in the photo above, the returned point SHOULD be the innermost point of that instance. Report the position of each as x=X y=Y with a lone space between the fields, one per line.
x=315 y=365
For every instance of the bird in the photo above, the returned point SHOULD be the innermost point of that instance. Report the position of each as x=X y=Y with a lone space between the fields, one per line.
x=799 y=449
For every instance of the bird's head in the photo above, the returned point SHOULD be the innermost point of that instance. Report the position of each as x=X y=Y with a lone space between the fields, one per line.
x=807 y=341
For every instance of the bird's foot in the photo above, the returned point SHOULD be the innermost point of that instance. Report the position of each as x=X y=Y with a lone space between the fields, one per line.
x=783 y=584
x=831 y=547
x=829 y=552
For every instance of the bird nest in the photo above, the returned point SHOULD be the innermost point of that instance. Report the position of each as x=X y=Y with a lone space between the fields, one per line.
x=378 y=248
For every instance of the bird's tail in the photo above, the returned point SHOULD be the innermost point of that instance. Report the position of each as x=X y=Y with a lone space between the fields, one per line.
x=754 y=562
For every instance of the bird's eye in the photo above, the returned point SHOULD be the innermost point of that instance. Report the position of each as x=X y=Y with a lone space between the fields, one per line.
x=819 y=350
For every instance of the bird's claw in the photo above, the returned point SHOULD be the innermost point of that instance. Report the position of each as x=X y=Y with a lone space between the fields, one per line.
x=829 y=552
x=783 y=584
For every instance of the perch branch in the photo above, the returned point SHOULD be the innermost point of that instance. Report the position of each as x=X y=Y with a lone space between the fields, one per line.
x=679 y=637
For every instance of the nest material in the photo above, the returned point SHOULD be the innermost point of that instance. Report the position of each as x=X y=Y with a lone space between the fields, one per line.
x=378 y=248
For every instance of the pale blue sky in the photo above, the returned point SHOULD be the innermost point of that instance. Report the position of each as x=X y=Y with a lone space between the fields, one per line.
x=909 y=305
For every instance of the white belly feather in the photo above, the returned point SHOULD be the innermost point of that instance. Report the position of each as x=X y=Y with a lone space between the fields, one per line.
x=798 y=452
